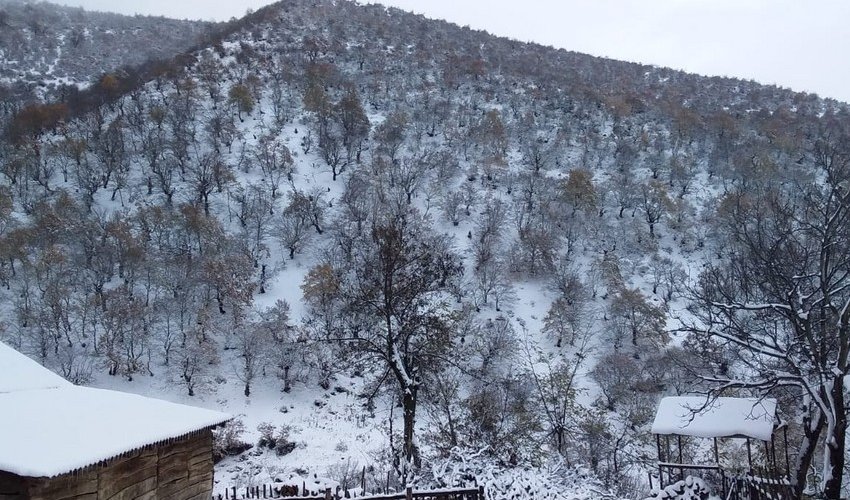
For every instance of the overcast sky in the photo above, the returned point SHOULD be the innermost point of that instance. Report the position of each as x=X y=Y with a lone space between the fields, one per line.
x=802 y=44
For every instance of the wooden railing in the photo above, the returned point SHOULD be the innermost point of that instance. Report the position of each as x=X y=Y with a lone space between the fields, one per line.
x=758 y=488
x=282 y=491
x=745 y=487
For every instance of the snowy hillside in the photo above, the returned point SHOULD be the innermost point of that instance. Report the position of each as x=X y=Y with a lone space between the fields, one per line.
x=406 y=252
x=48 y=50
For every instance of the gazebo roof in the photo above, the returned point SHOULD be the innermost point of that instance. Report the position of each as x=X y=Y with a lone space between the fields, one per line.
x=723 y=417
x=50 y=427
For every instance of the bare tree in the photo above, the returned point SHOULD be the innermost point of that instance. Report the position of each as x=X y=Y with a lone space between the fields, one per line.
x=353 y=123
x=194 y=360
x=555 y=386
x=303 y=211
x=253 y=341
x=637 y=318
x=394 y=285
x=781 y=297
x=390 y=134
x=655 y=203
x=275 y=162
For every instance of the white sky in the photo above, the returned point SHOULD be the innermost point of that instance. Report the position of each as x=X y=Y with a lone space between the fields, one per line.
x=802 y=44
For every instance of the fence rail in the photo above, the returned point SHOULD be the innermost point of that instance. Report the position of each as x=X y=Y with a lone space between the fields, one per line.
x=758 y=488
x=285 y=491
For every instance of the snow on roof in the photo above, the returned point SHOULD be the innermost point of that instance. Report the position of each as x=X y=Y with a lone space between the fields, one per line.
x=724 y=417
x=20 y=373
x=47 y=431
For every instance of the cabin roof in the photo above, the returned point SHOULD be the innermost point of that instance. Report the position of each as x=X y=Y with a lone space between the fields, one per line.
x=50 y=427
x=723 y=417
x=20 y=373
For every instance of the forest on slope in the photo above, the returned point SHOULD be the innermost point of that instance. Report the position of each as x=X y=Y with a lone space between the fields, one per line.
x=49 y=51
x=508 y=252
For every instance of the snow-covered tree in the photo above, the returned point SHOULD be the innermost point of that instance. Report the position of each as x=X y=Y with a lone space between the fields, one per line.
x=395 y=285
x=781 y=296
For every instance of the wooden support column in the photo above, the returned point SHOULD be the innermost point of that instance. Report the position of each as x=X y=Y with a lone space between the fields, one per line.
x=660 y=459
x=681 y=459
x=719 y=468
x=787 y=462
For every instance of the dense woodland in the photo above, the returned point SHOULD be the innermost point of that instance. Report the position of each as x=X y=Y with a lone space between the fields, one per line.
x=415 y=183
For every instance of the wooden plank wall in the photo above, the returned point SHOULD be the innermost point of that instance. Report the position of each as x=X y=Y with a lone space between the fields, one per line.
x=186 y=469
x=182 y=470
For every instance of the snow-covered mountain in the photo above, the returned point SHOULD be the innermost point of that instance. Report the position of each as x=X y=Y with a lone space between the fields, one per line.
x=404 y=250
x=45 y=47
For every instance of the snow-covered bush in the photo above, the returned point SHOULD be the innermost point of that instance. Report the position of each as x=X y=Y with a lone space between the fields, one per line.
x=282 y=444
x=553 y=481
x=691 y=488
x=346 y=474
x=275 y=438
x=227 y=440
x=267 y=439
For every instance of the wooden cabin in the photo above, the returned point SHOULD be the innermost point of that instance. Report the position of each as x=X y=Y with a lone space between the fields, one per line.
x=59 y=441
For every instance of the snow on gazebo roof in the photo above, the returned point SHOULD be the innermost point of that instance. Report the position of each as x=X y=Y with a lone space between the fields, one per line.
x=723 y=417
x=50 y=427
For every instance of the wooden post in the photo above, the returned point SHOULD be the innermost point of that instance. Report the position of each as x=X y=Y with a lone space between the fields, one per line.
x=787 y=463
x=681 y=460
x=660 y=459
x=773 y=452
x=481 y=493
x=770 y=463
x=408 y=493
x=719 y=469
x=328 y=495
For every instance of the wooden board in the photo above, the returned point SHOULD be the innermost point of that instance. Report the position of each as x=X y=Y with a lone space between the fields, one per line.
x=180 y=470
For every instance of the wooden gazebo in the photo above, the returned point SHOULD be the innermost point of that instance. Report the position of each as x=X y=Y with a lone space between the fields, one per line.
x=749 y=419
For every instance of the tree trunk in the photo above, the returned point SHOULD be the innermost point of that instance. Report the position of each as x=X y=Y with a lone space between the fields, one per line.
x=834 y=469
x=411 y=451
x=451 y=422
x=812 y=429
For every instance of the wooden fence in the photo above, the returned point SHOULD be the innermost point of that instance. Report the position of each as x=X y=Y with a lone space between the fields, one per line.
x=758 y=488
x=744 y=487
x=283 y=491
